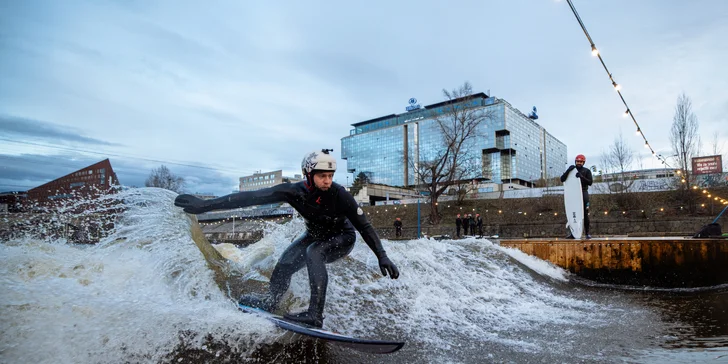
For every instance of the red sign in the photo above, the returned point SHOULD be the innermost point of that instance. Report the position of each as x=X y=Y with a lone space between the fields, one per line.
x=708 y=165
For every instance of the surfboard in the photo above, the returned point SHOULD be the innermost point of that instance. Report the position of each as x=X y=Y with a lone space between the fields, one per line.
x=364 y=345
x=574 y=203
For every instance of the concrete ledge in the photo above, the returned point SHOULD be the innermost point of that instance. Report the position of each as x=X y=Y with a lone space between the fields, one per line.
x=643 y=261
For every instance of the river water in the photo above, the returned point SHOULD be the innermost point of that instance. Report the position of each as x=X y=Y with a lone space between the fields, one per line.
x=147 y=294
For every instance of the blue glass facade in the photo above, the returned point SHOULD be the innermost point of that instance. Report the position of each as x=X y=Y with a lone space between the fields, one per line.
x=509 y=146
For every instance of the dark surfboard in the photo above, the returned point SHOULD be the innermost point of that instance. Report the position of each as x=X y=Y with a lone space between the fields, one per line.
x=364 y=345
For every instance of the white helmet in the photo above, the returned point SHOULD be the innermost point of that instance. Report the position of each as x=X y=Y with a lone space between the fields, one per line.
x=318 y=161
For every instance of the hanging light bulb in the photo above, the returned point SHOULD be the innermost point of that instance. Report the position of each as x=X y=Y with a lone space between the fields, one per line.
x=638 y=132
x=626 y=113
x=647 y=145
x=595 y=51
x=617 y=86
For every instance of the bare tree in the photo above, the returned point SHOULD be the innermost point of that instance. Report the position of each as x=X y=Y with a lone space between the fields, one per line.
x=618 y=159
x=162 y=177
x=684 y=135
x=716 y=147
x=455 y=160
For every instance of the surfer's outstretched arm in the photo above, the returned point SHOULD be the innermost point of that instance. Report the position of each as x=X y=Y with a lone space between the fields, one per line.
x=195 y=205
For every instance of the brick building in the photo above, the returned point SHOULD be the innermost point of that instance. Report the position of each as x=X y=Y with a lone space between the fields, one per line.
x=86 y=181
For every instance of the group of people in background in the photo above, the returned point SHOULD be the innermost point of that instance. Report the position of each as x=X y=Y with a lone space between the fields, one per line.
x=468 y=223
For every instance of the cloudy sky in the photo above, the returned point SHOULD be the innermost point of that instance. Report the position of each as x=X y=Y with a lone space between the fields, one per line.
x=240 y=86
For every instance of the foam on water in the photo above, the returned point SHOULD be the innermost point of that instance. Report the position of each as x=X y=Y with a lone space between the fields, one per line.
x=127 y=298
x=132 y=296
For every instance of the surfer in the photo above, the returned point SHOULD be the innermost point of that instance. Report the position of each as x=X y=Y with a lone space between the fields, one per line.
x=585 y=176
x=331 y=216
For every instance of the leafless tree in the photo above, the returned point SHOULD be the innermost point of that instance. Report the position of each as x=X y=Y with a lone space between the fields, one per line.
x=456 y=159
x=717 y=147
x=684 y=135
x=162 y=177
x=618 y=159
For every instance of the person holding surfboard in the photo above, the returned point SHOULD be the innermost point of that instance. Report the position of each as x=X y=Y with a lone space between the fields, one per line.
x=332 y=218
x=585 y=176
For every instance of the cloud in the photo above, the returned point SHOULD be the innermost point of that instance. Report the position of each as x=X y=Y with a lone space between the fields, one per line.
x=37 y=129
x=26 y=171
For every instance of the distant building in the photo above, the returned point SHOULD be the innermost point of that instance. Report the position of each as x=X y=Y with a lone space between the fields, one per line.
x=512 y=147
x=86 y=181
x=265 y=179
x=638 y=174
x=205 y=196
x=12 y=201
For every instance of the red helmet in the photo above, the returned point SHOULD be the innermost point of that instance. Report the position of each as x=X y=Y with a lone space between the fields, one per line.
x=581 y=158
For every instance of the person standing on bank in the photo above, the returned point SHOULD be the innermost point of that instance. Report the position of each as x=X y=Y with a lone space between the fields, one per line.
x=471 y=221
x=332 y=218
x=398 y=227
x=479 y=222
x=458 y=224
x=466 y=224
x=584 y=174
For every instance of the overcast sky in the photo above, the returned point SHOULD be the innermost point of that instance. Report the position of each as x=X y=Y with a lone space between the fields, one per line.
x=240 y=86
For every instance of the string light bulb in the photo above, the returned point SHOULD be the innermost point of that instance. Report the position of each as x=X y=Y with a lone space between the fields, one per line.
x=626 y=113
x=647 y=145
x=639 y=131
x=595 y=51
x=617 y=86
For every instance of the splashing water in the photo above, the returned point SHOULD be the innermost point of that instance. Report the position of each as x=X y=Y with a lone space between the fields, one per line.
x=146 y=293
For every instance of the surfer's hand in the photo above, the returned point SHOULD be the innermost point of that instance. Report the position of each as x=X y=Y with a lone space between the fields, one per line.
x=387 y=266
x=191 y=204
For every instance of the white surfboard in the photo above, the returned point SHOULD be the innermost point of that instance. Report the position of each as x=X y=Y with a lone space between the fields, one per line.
x=574 y=203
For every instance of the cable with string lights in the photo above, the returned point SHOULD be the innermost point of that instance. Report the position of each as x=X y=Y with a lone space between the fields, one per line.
x=628 y=112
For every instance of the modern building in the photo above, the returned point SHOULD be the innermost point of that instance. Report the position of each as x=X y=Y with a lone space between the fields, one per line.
x=86 y=181
x=510 y=147
x=260 y=180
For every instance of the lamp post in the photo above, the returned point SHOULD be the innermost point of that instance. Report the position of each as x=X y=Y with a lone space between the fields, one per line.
x=418 y=215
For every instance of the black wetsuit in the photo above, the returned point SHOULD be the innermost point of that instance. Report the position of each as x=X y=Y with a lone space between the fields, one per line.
x=586 y=181
x=397 y=228
x=331 y=218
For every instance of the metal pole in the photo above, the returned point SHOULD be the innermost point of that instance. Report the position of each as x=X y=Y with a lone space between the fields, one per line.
x=418 y=216
x=233 y=224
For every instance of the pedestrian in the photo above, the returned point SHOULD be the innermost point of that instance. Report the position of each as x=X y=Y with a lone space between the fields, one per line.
x=458 y=225
x=466 y=225
x=479 y=222
x=398 y=227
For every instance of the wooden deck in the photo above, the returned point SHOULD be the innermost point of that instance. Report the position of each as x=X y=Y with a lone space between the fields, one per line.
x=643 y=261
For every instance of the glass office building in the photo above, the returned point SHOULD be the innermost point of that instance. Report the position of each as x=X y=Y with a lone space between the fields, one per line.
x=509 y=147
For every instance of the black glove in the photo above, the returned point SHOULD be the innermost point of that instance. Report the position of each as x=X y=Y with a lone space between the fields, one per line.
x=570 y=168
x=386 y=265
x=191 y=204
x=578 y=175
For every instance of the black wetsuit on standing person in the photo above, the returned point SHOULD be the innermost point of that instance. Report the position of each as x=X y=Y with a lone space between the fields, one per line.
x=585 y=177
x=331 y=218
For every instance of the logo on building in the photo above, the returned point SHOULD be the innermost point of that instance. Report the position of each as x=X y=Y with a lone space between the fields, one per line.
x=413 y=105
